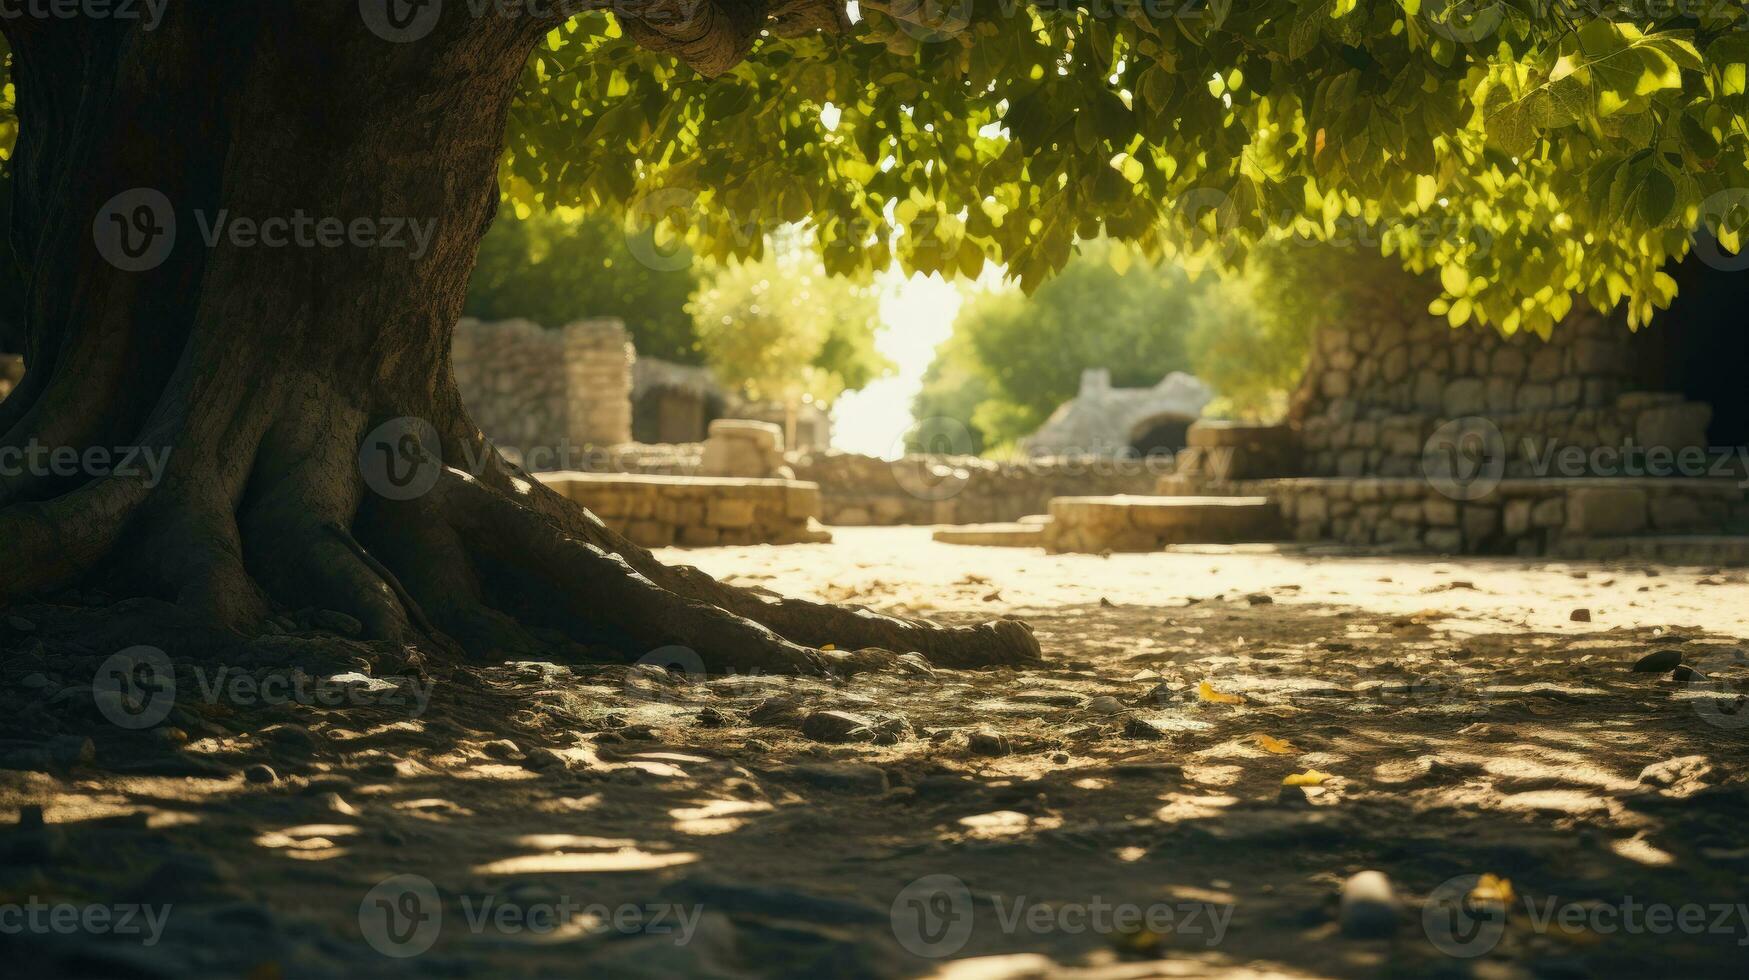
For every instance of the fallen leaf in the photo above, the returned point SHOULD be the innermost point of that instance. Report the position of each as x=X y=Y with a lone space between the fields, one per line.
x=1207 y=692
x=1311 y=777
x=830 y=646
x=1491 y=888
x=1279 y=746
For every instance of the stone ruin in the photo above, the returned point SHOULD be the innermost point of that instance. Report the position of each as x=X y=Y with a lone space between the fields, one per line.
x=544 y=396
x=1105 y=421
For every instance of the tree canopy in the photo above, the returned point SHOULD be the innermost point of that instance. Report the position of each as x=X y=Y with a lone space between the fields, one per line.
x=1530 y=151
x=555 y=269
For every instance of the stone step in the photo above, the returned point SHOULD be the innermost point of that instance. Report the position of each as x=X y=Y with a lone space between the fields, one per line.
x=1676 y=549
x=1015 y=535
x=1134 y=523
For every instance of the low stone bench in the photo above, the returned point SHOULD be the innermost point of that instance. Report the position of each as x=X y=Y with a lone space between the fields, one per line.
x=689 y=511
x=1126 y=523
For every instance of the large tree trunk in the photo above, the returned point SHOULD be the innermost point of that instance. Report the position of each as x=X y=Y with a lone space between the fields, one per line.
x=303 y=391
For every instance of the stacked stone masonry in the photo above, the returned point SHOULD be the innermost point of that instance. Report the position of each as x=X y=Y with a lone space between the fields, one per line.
x=662 y=511
x=1580 y=517
x=1375 y=393
x=546 y=396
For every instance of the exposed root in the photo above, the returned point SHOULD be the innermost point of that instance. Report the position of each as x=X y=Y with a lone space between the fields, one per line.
x=809 y=624
x=599 y=593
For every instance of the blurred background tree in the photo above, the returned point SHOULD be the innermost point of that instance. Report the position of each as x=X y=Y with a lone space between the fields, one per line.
x=779 y=328
x=559 y=267
x=1012 y=359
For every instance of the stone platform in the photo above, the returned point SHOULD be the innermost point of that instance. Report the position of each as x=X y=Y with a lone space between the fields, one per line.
x=659 y=511
x=1015 y=535
x=1136 y=523
x=1670 y=519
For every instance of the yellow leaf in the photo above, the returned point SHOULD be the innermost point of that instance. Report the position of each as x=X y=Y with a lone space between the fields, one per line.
x=1207 y=692
x=830 y=646
x=1311 y=777
x=1491 y=888
x=1269 y=743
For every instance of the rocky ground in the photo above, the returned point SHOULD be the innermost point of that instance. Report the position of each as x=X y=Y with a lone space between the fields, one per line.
x=1476 y=731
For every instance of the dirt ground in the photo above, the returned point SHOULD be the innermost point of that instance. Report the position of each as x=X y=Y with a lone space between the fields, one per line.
x=1536 y=806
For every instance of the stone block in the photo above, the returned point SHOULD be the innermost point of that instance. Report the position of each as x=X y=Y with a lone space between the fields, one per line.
x=697 y=536
x=723 y=512
x=1551 y=512
x=1441 y=512
x=1465 y=396
x=1673 y=427
x=1516 y=519
x=1606 y=510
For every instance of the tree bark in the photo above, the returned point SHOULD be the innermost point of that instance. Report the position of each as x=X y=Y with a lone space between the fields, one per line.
x=176 y=198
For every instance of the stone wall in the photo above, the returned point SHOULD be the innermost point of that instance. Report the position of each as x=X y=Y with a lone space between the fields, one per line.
x=1376 y=392
x=1580 y=517
x=543 y=395
x=659 y=511
x=934 y=489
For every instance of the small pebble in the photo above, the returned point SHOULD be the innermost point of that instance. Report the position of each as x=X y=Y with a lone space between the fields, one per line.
x=1369 y=906
x=1580 y=616
x=1659 y=662
x=260 y=773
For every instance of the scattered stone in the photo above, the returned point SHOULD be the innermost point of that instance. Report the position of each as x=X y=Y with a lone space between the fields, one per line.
x=642 y=733
x=1580 y=616
x=1060 y=758
x=1260 y=599
x=985 y=742
x=18 y=624
x=1683 y=775
x=848 y=777
x=1105 y=704
x=1685 y=674
x=260 y=773
x=36 y=681
x=756 y=745
x=712 y=718
x=837 y=726
x=502 y=749
x=1369 y=908
x=891 y=731
x=542 y=759
x=1138 y=729
x=1659 y=662
x=777 y=710
x=1294 y=796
